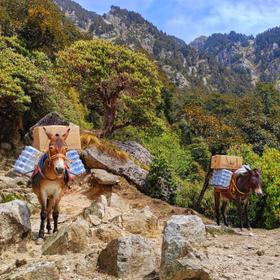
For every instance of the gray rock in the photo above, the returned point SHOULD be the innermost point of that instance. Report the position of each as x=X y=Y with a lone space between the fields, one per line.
x=52 y=118
x=136 y=150
x=130 y=257
x=215 y=229
x=105 y=208
x=43 y=270
x=94 y=158
x=70 y=238
x=183 y=254
x=6 y=146
x=137 y=221
x=14 y=222
x=102 y=177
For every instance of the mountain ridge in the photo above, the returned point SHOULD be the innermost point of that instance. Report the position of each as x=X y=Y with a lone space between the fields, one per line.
x=230 y=62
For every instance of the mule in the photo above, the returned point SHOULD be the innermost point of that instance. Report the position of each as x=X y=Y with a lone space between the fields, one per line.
x=49 y=180
x=241 y=186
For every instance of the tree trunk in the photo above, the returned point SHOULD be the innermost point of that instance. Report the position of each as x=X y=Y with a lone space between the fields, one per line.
x=108 y=123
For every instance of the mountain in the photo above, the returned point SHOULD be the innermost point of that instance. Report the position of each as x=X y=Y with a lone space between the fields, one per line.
x=258 y=58
x=185 y=65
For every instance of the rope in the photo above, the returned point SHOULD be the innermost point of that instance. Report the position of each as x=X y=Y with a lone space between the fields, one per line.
x=235 y=188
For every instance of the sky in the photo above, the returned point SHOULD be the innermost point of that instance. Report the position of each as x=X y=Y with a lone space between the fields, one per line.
x=189 y=19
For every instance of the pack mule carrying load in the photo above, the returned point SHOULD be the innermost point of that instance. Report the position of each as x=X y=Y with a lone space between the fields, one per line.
x=219 y=173
x=30 y=156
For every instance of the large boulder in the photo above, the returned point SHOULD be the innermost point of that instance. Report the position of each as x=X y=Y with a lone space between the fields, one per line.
x=102 y=177
x=43 y=270
x=137 y=221
x=52 y=118
x=70 y=238
x=14 y=222
x=95 y=158
x=105 y=209
x=183 y=253
x=129 y=257
x=136 y=150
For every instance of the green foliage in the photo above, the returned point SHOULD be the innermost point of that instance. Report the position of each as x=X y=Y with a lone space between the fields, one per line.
x=9 y=197
x=200 y=152
x=123 y=83
x=188 y=193
x=38 y=23
x=160 y=182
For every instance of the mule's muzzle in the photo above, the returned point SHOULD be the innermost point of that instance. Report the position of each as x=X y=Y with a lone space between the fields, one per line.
x=59 y=170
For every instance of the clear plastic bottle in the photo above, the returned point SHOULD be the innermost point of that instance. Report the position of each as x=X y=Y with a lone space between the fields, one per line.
x=27 y=161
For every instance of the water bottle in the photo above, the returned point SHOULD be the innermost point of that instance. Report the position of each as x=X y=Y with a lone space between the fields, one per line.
x=72 y=155
x=77 y=167
x=27 y=161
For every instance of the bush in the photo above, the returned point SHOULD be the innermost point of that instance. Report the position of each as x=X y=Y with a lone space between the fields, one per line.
x=187 y=195
x=160 y=182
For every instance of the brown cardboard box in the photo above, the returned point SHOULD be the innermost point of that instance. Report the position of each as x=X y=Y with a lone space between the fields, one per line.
x=41 y=141
x=227 y=162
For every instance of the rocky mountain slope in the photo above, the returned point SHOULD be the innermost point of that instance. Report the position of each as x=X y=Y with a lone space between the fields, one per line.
x=226 y=62
x=257 y=58
x=185 y=65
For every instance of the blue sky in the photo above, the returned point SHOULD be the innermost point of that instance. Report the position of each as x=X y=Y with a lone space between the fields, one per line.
x=188 y=19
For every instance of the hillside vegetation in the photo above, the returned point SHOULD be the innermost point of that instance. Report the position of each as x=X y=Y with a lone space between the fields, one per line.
x=120 y=93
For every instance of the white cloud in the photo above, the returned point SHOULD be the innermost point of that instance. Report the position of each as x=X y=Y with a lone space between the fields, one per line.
x=204 y=17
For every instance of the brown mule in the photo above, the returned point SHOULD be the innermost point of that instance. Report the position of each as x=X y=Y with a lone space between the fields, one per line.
x=239 y=191
x=51 y=186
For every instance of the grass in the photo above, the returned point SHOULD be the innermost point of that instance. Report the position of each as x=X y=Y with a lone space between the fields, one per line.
x=89 y=139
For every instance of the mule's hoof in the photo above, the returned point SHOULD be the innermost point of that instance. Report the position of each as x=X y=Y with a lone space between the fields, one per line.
x=40 y=241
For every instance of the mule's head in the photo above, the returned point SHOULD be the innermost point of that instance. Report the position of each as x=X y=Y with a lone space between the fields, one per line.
x=57 y=151
x=255 y=181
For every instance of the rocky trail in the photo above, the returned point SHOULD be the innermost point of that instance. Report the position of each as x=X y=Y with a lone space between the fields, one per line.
x=108 y=229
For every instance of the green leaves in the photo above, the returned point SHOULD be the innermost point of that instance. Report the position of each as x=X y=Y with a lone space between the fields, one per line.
x=124 y=82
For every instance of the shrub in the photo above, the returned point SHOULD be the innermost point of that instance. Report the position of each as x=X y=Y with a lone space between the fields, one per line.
x=187 y=195
x=161 y=182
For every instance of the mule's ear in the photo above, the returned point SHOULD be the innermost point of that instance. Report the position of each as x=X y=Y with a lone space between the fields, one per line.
x=65 y=135
x=48 y=133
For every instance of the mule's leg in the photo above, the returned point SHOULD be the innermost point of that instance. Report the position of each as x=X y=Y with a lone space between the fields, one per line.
x=49 y=208
x=43 y=216
x=246 y=203
x=239 y=210
x=217 y=206
x=223 y=210
x=55 y=217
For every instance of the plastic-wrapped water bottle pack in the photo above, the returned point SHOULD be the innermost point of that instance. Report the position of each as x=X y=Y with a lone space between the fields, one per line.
x=27 y=161
x=29 y=158
x=75 y=164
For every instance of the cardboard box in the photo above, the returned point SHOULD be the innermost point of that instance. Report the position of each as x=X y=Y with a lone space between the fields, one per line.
x=41 y=141
x=227 y=162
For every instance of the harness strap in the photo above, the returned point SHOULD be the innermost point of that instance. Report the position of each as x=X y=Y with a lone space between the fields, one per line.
x=235 y=188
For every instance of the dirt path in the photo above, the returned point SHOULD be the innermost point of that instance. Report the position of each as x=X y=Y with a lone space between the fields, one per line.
x=232 y=257
x=246 y=257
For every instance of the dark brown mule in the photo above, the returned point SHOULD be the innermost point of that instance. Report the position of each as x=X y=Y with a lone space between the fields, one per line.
x=51 y=185
x=239 y=191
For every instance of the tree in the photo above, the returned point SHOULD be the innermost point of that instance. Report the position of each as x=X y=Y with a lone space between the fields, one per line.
x=23 y=84
x=124 y=83
x=40 y=24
